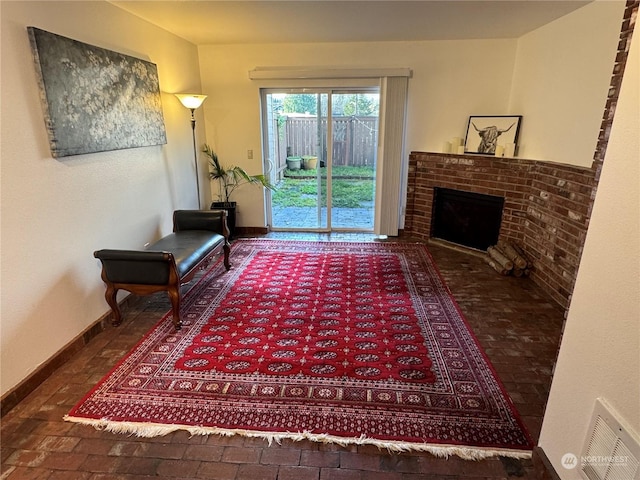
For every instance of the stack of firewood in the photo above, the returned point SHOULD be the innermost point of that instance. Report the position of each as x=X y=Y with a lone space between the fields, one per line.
x=507 y=258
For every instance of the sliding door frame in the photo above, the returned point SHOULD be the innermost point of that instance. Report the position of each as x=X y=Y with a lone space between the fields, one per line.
x=391 y=148
x=266 y=122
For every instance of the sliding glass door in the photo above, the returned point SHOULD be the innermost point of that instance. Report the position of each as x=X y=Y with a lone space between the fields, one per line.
x=324 y=171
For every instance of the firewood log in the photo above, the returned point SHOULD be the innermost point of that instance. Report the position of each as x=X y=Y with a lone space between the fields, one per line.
x=522 y=253
x=496 y=266
x=499 y=256
x=518 y=272
x=512 y=254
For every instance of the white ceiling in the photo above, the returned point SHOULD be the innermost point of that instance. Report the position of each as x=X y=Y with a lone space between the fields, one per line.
x=205 y=22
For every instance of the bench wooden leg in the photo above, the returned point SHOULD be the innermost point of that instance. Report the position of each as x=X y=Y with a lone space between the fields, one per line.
x=227 y=250
x=174 y=296
x=110 y=295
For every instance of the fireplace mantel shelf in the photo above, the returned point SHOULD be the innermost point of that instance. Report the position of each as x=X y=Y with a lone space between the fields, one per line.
x=493 y=157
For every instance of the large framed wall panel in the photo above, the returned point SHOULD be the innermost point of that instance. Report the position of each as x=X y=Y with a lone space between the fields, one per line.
x=95 y=99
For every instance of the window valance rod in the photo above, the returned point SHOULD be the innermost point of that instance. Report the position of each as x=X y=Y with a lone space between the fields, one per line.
x=313 y=73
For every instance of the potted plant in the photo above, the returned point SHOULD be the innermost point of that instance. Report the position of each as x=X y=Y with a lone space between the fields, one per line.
x=229 y=178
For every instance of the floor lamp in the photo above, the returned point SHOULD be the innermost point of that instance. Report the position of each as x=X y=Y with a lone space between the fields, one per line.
x=193 y=101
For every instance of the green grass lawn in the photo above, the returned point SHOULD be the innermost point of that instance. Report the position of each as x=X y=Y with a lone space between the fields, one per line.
x=337 y=171
x=352 y=187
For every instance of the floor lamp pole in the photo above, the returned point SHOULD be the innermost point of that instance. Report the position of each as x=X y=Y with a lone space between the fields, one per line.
x=192 y=101
x=195 y=152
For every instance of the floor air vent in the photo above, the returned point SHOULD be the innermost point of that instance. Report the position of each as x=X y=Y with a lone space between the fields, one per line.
x=611 y=451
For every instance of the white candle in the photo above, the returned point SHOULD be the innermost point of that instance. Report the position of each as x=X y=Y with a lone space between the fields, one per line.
x=456 y=142
x=510 y=150
x=446 y=147
x=461 y=149
x=499 y=150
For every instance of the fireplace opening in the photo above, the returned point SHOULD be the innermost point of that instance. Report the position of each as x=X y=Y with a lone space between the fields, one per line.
x=466 y=218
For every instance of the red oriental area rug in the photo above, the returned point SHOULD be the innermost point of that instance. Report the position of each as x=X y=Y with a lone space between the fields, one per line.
x=328 y=341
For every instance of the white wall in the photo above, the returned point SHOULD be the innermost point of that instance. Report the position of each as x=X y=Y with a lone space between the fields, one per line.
x=600 y=351
x=55 y=213
x=561 y=81
x=451 y=80
x=557 y=77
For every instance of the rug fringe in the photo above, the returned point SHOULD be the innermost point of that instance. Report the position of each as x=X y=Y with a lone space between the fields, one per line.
x=148 y=430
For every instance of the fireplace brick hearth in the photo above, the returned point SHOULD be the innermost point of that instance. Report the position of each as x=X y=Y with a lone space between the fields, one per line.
x=546 y=207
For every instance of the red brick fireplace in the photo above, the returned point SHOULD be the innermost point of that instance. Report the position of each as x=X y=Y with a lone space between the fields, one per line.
x=546 y=207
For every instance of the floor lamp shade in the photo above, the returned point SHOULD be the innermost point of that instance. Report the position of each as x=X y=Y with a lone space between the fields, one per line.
x=193 y=101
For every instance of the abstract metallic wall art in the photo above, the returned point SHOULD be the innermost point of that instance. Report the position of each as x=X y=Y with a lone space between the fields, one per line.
x=94 y=99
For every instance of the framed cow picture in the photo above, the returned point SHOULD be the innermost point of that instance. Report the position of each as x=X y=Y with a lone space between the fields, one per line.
x=493 y=135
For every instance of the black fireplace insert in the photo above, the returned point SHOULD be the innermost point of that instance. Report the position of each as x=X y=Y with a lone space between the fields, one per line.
x=466 y=218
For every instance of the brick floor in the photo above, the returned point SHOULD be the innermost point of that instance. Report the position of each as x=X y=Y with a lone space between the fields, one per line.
x=518 y=326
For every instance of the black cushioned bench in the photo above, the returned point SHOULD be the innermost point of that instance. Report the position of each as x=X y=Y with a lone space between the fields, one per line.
x=173 y=260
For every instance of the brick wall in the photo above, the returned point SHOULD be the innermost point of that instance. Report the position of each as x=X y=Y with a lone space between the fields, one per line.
x=626 y=32
x=546 y=207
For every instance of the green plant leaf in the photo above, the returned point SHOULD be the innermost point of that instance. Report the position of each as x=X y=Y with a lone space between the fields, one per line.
x=230 y=178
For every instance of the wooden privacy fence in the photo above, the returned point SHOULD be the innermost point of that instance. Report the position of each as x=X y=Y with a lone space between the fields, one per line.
x=355 y=140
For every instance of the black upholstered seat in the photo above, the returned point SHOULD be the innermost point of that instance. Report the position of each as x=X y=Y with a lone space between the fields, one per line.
x=187 y=246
